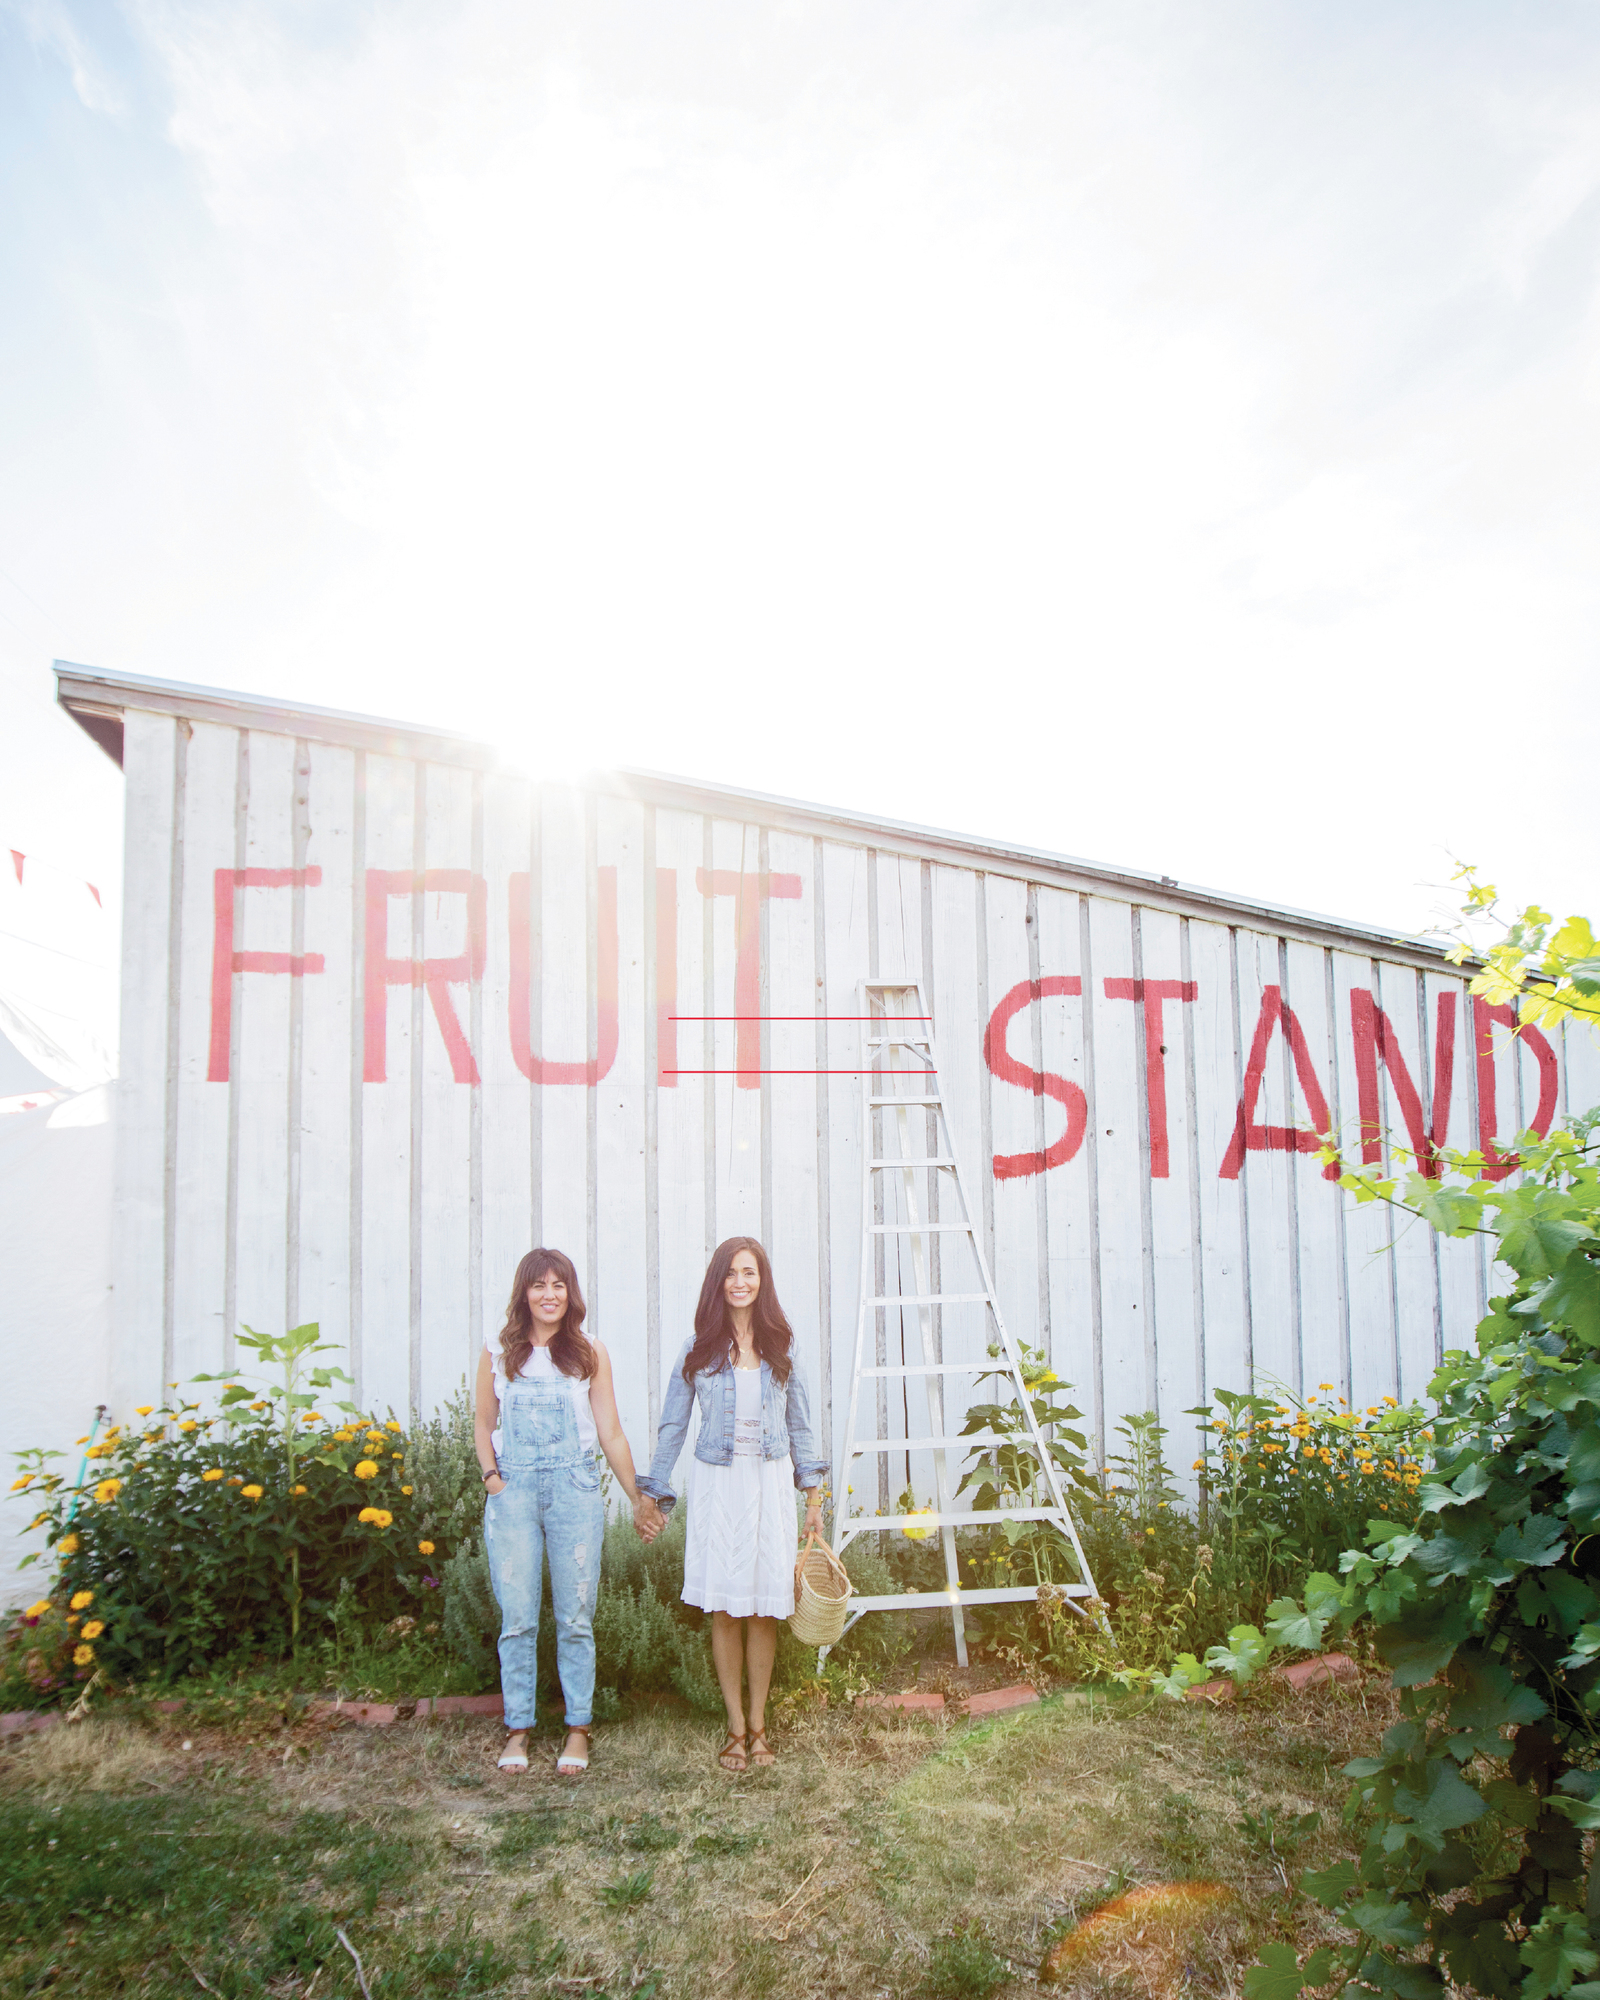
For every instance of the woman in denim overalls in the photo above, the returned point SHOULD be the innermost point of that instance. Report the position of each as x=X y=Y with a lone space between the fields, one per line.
x=546 y=1409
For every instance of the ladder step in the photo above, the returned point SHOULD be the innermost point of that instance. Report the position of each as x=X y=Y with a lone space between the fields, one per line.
x=933 y=1161
x=864 y=1447
x=930 y=1368
x=908 y=1103
x=931 y=1299
x=990 y=1518
x=942 y=1600
x=922 y=1228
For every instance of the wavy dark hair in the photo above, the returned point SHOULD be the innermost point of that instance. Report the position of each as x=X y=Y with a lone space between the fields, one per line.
x=571 y=1350
x=714 y=1341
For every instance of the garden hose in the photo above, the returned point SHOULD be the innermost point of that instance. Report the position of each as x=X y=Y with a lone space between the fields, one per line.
x=83 y=1464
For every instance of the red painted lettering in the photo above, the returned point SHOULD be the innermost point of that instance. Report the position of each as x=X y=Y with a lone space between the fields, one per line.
x=1249 y=1135
x=1484 y=1019
x=751 y=892
x=1154 y=993
x=1375 y=1039
x=225 y=961
x=438 y=975
x=1043 y=1083
x=535 y=1067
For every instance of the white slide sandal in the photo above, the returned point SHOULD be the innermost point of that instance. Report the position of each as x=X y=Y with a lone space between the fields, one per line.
x=569 y=1764
x=514 y=1760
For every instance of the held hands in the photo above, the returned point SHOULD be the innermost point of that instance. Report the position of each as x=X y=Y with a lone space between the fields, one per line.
x=648 y=1518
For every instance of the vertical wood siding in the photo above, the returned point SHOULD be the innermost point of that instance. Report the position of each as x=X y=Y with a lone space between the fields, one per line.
x=460 y=1013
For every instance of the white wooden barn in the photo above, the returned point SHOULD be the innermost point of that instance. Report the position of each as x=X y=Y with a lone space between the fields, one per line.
x=392 y=1014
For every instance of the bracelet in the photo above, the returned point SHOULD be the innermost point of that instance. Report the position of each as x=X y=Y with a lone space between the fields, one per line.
x=494 y=1473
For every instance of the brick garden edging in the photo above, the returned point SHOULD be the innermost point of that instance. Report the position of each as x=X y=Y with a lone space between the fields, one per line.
x=993 y=1702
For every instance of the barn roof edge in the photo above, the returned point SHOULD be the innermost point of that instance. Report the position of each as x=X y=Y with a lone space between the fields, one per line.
x=96 y=699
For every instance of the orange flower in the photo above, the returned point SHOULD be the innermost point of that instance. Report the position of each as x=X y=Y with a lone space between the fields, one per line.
x=424 y=1548
x=365 y=1469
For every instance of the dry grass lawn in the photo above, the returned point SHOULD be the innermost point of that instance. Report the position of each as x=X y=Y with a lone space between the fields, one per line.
x=880 y=1856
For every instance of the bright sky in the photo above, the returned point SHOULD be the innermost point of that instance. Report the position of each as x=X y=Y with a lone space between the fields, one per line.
x=1164 y=434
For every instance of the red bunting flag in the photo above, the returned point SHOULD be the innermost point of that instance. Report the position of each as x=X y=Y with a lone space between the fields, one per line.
x=17 y=861
x=93 y=891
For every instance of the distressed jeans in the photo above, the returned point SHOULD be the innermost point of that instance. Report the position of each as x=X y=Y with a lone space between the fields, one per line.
x=551 y=1506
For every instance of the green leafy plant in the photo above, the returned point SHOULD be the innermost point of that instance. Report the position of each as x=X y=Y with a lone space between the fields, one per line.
x=294 y=1395
x=197 y=1538
x=1487 y=1609
x=1550 y=974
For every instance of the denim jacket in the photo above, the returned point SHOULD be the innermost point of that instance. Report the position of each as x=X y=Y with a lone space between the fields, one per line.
x=785 y=1426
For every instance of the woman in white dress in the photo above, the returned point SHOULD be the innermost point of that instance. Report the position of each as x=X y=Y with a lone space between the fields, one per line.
x=742 y=1539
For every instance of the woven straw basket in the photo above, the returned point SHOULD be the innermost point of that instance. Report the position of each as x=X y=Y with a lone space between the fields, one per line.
x=822 y=1594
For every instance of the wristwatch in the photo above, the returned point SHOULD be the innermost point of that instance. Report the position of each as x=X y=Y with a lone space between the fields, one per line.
x=492 y=1473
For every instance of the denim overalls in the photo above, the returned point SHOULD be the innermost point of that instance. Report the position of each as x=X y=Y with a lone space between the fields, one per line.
x=551 y=1504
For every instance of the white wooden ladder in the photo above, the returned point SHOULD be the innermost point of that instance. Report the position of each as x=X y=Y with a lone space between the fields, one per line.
x=909 y=1243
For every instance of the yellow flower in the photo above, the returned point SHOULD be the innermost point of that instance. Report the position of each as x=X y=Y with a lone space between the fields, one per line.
x=311 y=1416
x=1374 y=1410
x=408 y=1490
x=424 y=1548
x=82 y=1440
x=368 y=1515
x=260 y=1406
x=1393 y=1402
x=82 y=1600
x=924 y=1524
x=1325 y=1455
x=100 y=1450
x=37 y=1610
x=365 y=1469
x=1198 y=1466
x=188 y=1424
x=1325 y=1385
x=21 y=1485
x=251 y=1492
x=94 y=1628
x=393 y=1424
x=1149 y=1531
x=1308 y=1451
x=215 y=1472
x=82 y=1655
x=236 y=1479
x=38 y=1521
x=143 y=1409
x=397 y=1454
x=67 y=1546
x=107 y=1490
x=297 y=1489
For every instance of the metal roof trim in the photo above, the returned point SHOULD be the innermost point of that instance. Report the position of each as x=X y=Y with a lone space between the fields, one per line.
x=93 y=691
x=97 y=694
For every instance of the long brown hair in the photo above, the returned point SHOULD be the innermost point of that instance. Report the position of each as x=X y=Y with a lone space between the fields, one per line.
x=714 y=1340
x=571 y=1351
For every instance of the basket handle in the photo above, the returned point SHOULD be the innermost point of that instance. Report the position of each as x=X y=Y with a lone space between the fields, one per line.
x=833 y=1562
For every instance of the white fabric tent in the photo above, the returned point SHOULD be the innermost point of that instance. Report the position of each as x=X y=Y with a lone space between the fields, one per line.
x=58 y=1016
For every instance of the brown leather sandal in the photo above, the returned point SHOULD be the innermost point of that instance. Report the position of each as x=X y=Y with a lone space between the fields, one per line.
x=733 y=1747
x=761 y=1752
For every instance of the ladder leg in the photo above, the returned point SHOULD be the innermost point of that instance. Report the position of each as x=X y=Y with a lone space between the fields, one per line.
x=934 y=1392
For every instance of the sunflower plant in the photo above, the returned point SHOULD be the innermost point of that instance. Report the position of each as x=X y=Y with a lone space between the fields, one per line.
x=198 y=1536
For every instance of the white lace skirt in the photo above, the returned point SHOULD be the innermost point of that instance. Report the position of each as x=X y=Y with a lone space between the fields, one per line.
x=743 y=1538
